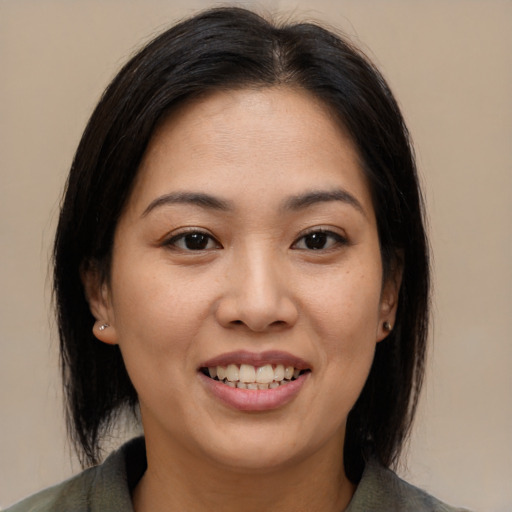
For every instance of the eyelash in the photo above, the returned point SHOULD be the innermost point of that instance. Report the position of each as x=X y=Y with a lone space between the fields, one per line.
x=173 y=242
x=336 y=240
x=323 y=235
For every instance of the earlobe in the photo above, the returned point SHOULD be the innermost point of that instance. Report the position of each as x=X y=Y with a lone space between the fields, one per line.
x=385 y=327
x=98 y=296
x=105 y=332
x=389 y=304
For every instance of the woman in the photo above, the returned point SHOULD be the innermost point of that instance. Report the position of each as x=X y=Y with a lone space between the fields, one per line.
x=241 y=257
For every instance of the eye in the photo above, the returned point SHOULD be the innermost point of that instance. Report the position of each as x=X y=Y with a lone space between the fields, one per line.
x=193 y=241
x=319 y=240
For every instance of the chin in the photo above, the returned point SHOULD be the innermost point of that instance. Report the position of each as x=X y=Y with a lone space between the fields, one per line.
x=260 y=449
x=255 y=459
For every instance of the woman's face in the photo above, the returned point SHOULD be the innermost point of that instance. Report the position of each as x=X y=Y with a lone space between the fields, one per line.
x=248 y=245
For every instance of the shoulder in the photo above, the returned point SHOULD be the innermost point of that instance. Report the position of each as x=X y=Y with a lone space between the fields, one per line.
x=382 y=490
x=69 y=495
x=103 y=487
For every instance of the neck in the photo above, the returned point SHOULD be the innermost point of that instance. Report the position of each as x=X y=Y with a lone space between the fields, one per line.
x=175 y=481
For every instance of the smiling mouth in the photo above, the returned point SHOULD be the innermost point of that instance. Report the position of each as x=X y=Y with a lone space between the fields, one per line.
x=247 y=376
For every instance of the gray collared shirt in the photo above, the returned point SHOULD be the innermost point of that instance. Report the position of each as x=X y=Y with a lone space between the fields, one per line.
x=107 y=487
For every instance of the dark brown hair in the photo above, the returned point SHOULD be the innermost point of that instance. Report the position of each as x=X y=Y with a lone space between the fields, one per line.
x=230 y=48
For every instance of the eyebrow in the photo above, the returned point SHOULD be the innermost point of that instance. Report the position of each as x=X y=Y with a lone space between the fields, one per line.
x=194 y=198
x=322 y=196
x=293 y=203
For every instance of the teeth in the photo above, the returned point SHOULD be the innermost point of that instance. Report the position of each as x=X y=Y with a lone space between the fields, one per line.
x=265 y=374
x=221 y=372
x=247 y=373
x=288 y=372
x=279 y=373
x=232 y=373
x=247 y=376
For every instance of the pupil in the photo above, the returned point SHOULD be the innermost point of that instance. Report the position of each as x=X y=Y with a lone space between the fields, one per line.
x=196 y=241
x=316 y=241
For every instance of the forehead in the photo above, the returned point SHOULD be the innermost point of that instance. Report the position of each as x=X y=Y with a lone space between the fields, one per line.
x=265 y=141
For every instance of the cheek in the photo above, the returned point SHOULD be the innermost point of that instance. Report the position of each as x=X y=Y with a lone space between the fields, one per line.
x=151 y=293
x=345 y=316
x=155 y=332
x=156 y=315
x=346 y=304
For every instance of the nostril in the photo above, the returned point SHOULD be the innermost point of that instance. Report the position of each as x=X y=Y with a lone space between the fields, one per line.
x=276 y=323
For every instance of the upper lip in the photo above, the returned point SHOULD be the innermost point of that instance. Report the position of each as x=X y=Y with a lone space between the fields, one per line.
x=257 y=359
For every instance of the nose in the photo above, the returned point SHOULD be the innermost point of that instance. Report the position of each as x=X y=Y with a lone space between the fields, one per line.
x=257 y=295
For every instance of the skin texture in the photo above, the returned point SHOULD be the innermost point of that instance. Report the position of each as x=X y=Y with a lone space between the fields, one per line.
x=255 y=285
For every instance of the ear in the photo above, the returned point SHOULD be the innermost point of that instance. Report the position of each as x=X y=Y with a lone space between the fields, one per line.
x=97 y=293
x=389 y=301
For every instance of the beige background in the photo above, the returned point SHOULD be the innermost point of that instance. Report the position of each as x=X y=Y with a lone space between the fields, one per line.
x=450 y=64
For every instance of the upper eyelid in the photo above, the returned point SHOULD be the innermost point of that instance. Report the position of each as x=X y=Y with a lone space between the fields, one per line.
x=175 y=233
x=341 y=239
x=169 y=238
x=320 y=229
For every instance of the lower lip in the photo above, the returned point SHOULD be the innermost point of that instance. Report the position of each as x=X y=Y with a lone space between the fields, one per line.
x=254 y=399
